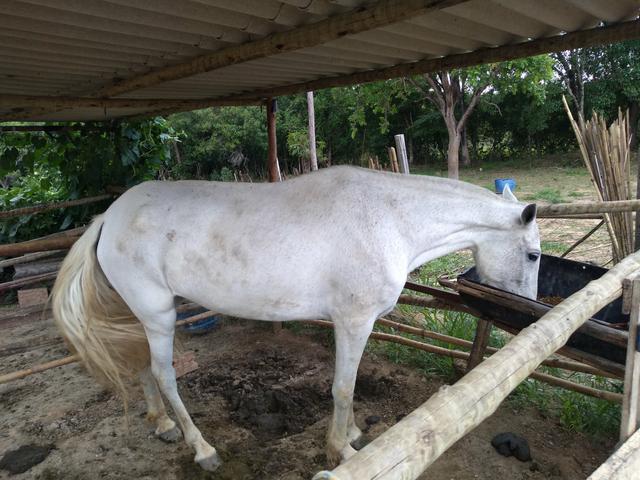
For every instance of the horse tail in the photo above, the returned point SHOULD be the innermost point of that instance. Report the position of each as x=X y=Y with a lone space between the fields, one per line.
x=94 y=320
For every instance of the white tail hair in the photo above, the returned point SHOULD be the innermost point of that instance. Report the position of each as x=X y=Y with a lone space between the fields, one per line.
x=94 y=320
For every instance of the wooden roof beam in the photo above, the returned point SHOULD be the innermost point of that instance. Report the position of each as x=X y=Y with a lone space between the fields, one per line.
x=581 y=39
x=17 y=104
x=384 y=12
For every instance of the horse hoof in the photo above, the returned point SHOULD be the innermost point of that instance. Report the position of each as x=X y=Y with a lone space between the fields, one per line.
x=170 y=436
x=360 y=442
x=210 y=463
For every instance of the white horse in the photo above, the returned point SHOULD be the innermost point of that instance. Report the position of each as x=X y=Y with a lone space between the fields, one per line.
x=337 y=244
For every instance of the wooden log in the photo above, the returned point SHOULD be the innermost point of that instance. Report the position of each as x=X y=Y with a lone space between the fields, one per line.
x=446 y=352
x=630 y=421
x=584 y=38
x=36 y=268
x=624 y=464
x=588 y=208
x=29 y=257
x=549 y=362
x=410 y=446
x=45 y=207
x=13 y=249
x=44 y=277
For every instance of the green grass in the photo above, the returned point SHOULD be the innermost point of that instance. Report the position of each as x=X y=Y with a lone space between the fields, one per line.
x=551 y=195
x=553 y=248
x=574 y=411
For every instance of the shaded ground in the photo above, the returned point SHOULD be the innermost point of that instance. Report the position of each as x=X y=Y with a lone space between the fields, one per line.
x=262 y=399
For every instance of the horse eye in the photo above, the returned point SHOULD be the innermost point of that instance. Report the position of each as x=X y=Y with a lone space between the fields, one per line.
x=533 y=256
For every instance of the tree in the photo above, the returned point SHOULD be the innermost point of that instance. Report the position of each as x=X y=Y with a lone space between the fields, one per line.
x=446 y=90
x=569 y=67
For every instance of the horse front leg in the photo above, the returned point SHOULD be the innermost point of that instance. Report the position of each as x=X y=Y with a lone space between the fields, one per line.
x=166 y=429
x=350 y=339
x=160 y=337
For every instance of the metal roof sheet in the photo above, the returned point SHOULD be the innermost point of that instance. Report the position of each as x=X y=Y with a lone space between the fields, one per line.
x=83 y=48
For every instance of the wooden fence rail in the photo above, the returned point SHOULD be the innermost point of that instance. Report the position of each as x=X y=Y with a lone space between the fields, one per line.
x=45 y=207
x=409 y=447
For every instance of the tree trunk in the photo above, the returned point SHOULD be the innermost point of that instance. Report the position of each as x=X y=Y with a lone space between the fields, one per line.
x=464 y=149
x=453 y=153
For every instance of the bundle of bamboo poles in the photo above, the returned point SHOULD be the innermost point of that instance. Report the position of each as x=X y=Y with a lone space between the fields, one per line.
x=606 y=154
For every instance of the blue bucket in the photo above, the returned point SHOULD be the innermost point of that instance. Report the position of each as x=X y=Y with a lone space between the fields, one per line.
x=503 y=182
x=201 y=326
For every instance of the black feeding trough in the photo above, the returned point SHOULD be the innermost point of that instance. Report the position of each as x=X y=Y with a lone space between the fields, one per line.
x=603 y=335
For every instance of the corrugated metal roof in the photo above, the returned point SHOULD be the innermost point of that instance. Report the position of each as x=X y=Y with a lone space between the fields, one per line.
x=80 y=48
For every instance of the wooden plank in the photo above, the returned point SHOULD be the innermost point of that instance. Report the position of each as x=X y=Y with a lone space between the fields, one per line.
x=62 y=102
x=624 y=464
x=629 y=421
x=414 y=443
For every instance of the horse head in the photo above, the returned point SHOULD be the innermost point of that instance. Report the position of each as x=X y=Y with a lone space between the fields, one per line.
x=509 y=257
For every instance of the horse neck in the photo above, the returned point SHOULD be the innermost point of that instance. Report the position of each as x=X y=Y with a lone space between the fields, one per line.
x=440 y=217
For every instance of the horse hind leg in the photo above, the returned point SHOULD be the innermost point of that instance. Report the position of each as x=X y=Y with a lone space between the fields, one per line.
x=166 y=429
x=160 y=333
x=154 y=307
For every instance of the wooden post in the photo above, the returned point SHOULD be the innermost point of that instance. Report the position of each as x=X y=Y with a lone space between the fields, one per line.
x=401 y=148
x=313 y=157
x=393 y=160
x=480 y=342
x=274 y=167
x=629 y=421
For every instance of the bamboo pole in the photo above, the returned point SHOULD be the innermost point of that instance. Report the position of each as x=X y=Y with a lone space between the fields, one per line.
x=9 y=377
x=410 y=446
x=45 y=207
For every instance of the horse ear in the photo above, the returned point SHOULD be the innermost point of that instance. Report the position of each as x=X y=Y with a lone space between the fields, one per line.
x=528 y=214
x=507 y=194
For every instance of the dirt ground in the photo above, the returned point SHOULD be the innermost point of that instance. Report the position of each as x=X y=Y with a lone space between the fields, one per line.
x=262 y=399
